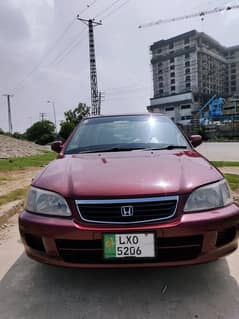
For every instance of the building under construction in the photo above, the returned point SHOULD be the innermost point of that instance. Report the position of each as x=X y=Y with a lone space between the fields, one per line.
x=188 y=70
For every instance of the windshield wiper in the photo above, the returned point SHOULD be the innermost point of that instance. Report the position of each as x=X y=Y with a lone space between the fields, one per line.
x=165 y=147
x=112 y=149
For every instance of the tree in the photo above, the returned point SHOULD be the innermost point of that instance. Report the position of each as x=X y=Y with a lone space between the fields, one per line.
x=66 y=129
x=41 y=132
x=72 y=118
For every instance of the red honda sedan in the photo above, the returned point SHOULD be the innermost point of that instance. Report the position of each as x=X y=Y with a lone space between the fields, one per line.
x=129 y=191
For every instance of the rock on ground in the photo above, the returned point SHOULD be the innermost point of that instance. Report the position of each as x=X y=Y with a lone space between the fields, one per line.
x=11 y=147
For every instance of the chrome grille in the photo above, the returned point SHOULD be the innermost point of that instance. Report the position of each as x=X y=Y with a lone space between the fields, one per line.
x=143 y=210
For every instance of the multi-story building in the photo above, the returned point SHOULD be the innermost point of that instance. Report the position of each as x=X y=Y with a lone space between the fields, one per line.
x=189 y=69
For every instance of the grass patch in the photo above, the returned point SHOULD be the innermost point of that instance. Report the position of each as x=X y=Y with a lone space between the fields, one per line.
x=14 y=195
x=225 y=164
x=27 y=161
x=233 y=181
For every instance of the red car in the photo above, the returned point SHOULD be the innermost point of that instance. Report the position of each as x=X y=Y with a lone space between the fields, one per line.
x=129 y=191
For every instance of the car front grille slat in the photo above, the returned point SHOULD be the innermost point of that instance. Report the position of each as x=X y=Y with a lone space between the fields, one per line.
x=167 y=250
x=144 y=210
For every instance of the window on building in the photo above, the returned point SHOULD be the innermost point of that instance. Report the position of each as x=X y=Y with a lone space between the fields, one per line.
x=168 y=109
x=233 y=71
x=186 y=41
x=188 y=85
x=173 y=88
x=173 y=81
x=172 y=60
x=171 y=46
x=172 y=67
x=172 y=74
x=187 y=71
x=161 y=91
x=160 y=78
x=233 y=89
x=188 y=78
x=160 y=84
x=187 y=63
x=185 y=106
x=233 y=65
x=187 y=55
x=160 y=71
x=233 y=83
x=233 y=77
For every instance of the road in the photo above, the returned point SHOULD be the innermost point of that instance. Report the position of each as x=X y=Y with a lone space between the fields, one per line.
x=29 y=290
x=220 y=151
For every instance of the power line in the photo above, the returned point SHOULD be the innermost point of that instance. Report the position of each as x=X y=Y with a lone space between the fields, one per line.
x=115 y=9
x=19 y=85
x=77 y=41
x=63 y=54
x=52 y=47
x=106 y=9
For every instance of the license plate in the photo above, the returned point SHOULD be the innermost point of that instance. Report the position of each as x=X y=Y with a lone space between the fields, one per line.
x=129 y=245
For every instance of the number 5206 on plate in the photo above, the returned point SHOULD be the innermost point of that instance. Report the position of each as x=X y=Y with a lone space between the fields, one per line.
x=139 y=245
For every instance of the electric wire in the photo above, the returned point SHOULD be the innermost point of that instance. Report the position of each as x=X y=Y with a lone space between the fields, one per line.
x=51 y=48
x=77 y=41
x=106 y=9
x=115 y=10
x=65 y=52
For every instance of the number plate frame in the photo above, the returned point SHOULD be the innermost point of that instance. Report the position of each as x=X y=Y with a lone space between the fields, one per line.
x=129 y=257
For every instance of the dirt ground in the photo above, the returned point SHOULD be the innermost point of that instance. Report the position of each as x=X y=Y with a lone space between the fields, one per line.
x=11 y=147
x=11 y=180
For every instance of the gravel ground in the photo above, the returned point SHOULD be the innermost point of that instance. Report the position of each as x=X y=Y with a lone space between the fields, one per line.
x=11 y=147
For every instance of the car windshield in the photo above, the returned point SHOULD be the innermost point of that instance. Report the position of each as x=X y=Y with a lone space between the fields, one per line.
x=119 y=133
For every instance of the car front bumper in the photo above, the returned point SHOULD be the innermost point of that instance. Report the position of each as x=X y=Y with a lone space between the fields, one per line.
x=191 y=239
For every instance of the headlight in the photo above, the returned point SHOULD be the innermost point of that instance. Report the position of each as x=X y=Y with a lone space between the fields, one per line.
x=45 y=202
x=208 y=197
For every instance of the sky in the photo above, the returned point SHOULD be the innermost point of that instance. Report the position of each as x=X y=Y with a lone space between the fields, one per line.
x=44 y=52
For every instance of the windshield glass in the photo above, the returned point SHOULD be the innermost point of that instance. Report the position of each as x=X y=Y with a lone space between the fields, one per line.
x=125 y=132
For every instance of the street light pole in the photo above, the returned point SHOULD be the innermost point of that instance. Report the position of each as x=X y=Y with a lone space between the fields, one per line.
x=54 y=112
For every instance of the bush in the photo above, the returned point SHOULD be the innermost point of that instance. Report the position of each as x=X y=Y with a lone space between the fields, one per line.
x=41 y=132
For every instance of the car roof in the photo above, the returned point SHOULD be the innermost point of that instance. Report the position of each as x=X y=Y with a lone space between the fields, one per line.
x=125 y=114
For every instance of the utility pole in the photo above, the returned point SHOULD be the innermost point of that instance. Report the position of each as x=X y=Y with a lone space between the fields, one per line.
x=95 y=106
x=9 y=112
x=54 y=112
x=42 y=116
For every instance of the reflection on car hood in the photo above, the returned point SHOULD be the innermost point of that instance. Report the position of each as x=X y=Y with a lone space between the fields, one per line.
x=128 y=174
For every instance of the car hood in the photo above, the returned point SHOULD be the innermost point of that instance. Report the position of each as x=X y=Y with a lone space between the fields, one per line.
x=135 y=173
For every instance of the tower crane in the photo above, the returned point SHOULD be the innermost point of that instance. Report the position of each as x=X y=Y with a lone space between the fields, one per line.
x=200 y=14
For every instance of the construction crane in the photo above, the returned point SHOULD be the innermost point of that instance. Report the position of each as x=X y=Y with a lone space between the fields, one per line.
x=200 y=14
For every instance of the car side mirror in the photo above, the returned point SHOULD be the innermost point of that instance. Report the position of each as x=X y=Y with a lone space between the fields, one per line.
x=57 y=146
x=196 y=140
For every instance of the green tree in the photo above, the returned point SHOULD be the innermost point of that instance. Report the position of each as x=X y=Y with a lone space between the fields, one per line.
x=41 y=132
x=66 y=129
x=72 y=118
